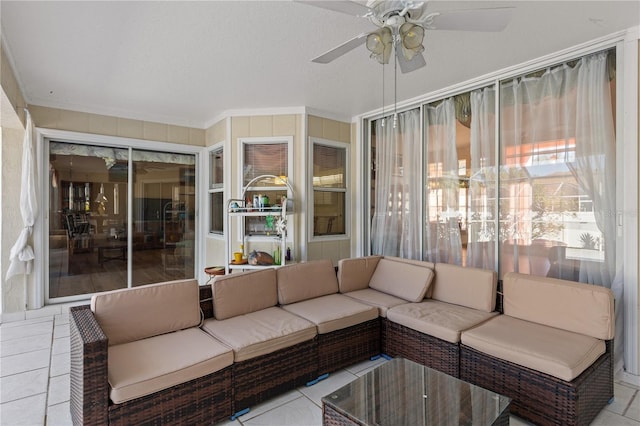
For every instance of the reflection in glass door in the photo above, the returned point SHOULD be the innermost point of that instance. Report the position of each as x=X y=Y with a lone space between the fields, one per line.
x=163 y=217
x=94 y=235
x=87 y=219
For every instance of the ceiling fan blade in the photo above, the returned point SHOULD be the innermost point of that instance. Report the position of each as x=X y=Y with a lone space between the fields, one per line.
x=345 y=47
x=415 y=63
x=489 y=20
x=349 y=7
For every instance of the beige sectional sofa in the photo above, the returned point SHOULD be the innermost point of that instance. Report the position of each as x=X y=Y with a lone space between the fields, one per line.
x=265 y=332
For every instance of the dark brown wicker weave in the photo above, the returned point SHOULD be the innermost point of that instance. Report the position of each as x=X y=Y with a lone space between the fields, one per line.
x=539 y=397
x=258 y=379
x=347 y=346
x=401 y=341
x=205 y=400
x=89 y=385
x=206 y=302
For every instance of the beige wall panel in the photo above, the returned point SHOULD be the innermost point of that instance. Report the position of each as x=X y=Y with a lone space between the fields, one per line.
x=314 y=251
x=239 y=129
x=156 y=131
x=74 y=120
x=10 y=85
x=284 y=125
x=314 y=126
x=178 y=134
x=45 y=117
x=197 y=137
x=345 y=132
x=216 y=133
x=214 y=252
x=102 y=124
x=331 y=129
x=133 y=129
x=11 y=225
x=261 y=125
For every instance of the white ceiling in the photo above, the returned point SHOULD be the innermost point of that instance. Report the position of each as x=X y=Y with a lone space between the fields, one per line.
x=187 y=63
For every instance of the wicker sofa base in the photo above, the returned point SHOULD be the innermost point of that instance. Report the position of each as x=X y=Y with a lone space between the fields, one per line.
x=206 y=400
x=345 y=347
x=258 y=379
x=539 y=397
x=401 y=341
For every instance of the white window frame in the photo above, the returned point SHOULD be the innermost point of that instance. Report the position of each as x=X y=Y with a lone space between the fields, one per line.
x=219 y=188
x=240 y=177
x=346 y=190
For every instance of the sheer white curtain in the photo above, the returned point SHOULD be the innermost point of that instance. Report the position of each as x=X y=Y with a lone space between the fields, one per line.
x=482 y=181
x=395 y=227
x=442 y=229
x=558 y=131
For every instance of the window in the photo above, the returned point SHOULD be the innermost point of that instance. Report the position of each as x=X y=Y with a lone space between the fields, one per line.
x=216 y=190
x=329 y=187
x=260 y=157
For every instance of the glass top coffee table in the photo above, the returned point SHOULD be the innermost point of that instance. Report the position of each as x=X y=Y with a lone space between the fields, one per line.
x=401 y=392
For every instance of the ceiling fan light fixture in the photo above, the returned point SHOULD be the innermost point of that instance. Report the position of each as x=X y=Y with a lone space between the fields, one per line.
x=380 y=43
x=411 y=35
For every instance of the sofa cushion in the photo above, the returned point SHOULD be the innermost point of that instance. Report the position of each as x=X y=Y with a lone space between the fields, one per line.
x=302 y=281
x=142 y=367
x=382 y=301
x=333 y=312
x=241 y=293
x=471 y=287
x=260 y=333
x=560 y=353
x=136 y=313
x=406 y=280
x=572 y=306
x=355 y=273
x=445 y=321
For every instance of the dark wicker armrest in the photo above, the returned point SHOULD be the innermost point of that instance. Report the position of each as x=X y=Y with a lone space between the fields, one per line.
x=89 y=384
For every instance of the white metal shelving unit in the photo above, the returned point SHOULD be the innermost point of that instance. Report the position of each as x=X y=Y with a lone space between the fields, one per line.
x=237 y=208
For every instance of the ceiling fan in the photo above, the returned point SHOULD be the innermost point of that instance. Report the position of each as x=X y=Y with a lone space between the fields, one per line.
x=402 y=25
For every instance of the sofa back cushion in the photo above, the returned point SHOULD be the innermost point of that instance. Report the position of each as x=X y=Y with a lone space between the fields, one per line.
x=568 y=305
x=355 y=273
x=408 y=280
x=245 y=292
x=471 y=287
x=307 y=280
x=137 y=313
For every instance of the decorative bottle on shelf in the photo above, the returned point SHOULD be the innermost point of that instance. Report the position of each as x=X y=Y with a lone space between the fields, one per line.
x=276 y=256
x=288 y=256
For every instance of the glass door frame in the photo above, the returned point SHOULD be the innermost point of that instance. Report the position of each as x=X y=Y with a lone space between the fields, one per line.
x=40 y=290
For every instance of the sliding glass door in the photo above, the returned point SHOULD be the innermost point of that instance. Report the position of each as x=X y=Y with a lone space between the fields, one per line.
x=118 y=217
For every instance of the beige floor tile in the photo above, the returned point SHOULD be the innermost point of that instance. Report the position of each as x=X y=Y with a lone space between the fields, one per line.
x=24 y=344
x=633 y=411
x=20 y=363
x=622 y=396
x=300 y=411
x=21 y=323
x=608 y=418
x=60 y=331
x=61 y=346
x=59 y=390
x=60 y=364
x=34 y=329
x=334 y=381
x=59 y=415
x=270 y=405
x=28 y=411
x=23 y=385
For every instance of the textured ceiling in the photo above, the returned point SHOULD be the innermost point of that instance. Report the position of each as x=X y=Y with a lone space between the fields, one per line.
x=187 y=63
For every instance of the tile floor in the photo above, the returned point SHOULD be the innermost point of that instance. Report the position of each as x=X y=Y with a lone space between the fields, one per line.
x=34 y=382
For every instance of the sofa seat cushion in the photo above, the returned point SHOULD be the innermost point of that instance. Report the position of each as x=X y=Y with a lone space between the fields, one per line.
x=142 y=367
x=380 y=300
x=445 y=321
x=333 y=312
x=261 y=332
x=559 y=353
